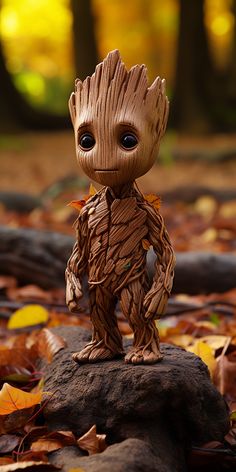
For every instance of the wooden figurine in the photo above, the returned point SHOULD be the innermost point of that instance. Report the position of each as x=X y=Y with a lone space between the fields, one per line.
x=118 y=122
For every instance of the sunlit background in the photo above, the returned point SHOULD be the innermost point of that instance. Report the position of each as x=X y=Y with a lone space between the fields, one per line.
x=45 y=45
x=38 y=45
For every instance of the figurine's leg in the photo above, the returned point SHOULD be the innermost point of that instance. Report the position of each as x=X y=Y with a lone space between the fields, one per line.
x=145 y=348
x=106 y=340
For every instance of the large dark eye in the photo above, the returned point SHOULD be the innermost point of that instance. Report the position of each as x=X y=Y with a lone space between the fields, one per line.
x=128 y=140
x=86 y=141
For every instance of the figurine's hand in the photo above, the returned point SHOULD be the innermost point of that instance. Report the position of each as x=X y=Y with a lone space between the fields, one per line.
x=73 y=291
x=155 y=304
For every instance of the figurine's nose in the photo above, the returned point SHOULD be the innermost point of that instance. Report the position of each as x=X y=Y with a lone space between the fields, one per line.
x=106 y=155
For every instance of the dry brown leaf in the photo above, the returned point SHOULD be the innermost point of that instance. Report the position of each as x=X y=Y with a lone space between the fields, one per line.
x=225 y=376
x=46 y=445
x=15 y=357
x=49 y=344
x=7 y=281
x=231 y=437
x=6 y=460
x=28 y=292
x=8 y=442
x=35 y=432
x=67 y=437
x=12 y=399
x=92 y=442
x=53 y=441
x=12 y=373
x=35 y=456
x=16 y=420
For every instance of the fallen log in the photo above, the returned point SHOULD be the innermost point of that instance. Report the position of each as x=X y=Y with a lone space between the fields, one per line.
x=40 y=257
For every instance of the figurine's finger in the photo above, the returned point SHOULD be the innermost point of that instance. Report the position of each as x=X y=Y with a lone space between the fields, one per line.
x=78 y=293
x=73 y=307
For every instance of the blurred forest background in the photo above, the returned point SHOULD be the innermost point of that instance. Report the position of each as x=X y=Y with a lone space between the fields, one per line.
x=45 y=45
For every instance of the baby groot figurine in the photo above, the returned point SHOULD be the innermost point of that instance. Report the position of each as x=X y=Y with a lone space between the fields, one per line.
x=118 y=122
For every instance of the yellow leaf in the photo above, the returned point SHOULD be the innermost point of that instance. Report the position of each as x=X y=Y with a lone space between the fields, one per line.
x=146 y=245
x=215 y=341
x=77 y=470
x=12 y=399
x=29 y=315
x=92 y=190
x=233 y=415
x=206 y=353
x=182 y=340
x=154 y=200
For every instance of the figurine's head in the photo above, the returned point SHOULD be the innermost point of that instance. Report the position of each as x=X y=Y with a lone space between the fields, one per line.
x=118 y=121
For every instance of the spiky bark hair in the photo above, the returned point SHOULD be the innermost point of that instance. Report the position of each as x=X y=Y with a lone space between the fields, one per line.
x=113 y=87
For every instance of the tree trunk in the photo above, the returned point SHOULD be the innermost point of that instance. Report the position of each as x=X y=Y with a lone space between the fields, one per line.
x=232 y=66
x=189 y=110
x=85 y=47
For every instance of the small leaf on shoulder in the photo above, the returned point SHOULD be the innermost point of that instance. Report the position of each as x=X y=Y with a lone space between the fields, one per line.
x=77 y=204
x=153 y=199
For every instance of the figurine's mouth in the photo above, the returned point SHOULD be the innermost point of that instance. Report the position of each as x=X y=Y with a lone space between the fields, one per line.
x=106 y=170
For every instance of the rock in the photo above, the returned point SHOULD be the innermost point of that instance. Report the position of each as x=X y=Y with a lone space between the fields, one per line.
x=127 y=456
x=168 y=406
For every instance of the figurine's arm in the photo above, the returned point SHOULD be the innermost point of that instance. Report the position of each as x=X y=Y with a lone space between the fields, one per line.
x=156 y=299
x=76 y=266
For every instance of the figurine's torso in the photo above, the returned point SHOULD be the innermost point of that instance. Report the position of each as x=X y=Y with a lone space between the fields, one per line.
x=116 y=229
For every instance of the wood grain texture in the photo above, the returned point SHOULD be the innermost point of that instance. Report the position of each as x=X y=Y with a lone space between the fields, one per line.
x=116 y=224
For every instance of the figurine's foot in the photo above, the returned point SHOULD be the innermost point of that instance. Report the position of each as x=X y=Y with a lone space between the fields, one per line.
x=139 y=355
x=95 y=352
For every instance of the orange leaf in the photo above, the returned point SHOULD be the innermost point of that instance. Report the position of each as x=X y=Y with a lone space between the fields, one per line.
x=77 y=204
x=146 y=245
x=49 y=344
x=154 y=200
x=92 y=442
x=12 y=399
